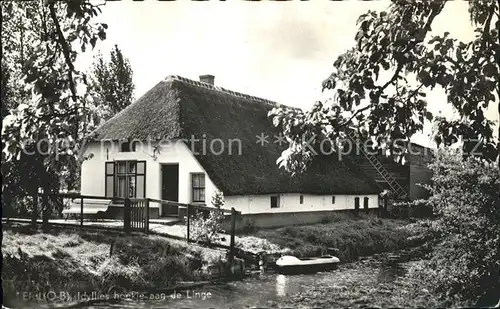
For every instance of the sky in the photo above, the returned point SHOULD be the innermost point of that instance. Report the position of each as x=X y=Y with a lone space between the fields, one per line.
x=280 y=51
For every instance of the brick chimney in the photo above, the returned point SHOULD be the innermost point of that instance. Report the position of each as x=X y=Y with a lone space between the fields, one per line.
x=209 y=79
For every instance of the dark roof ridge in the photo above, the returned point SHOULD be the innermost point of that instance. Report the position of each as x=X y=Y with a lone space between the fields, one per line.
x=217 y=88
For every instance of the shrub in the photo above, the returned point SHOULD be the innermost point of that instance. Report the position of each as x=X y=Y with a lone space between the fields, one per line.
x=41 y=274
x=255 y=244
x=149 y=263
x=352 y=237
x=207 y=228
x=17 y=206
x=412 y=209
x=167 y=271
x=144 y=251
x=466 y=202
x=118 y=277
x=60 y=254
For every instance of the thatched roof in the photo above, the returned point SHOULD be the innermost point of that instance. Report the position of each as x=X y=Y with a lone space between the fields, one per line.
x=180 y=108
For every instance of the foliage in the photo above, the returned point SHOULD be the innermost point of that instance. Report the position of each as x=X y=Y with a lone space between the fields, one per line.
x=379 y=86
x=411 y=209
x=54 y=107
x=218 y=199
x=6 y=93
x=158 y=263
x=16 y=206
x=466 y=201
x=42 y=273
x=256 y=245
x=48 y=112
x=206 y=228
x=113 y=82
x=113 y=271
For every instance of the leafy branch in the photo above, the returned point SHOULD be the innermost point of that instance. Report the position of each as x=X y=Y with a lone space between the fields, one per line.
x=485 y=36
x=66 y=50
x=395 y=38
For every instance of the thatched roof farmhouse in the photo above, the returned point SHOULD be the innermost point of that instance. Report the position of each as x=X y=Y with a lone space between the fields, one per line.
x=178 y=107
x=181 y=110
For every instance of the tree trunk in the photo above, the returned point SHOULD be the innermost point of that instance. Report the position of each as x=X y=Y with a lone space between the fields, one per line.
x=46 y=209
x=498 y=89
x=34 y=212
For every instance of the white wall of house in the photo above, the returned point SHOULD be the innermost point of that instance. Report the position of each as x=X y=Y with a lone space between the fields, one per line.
x=290 y=202
x=172 y=152
x=93 y=180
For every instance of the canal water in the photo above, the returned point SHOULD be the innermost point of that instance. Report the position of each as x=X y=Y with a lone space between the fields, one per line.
x=272 y=290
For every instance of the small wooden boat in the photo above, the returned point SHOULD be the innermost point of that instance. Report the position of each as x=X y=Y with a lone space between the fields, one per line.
x=292 y=265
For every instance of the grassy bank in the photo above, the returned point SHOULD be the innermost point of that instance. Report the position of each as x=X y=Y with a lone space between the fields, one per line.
x=353 y=237
x=74 y=261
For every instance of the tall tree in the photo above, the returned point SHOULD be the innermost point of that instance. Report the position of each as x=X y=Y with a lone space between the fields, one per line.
x=5 y=90
x=114 y=84
x=379 y=86
x=380 y=90
x=49 y=112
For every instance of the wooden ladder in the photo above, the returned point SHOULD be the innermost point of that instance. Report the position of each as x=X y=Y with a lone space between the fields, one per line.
x=393 y=184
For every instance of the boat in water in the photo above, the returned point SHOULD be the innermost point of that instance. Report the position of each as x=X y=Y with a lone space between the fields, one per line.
x=292 y=265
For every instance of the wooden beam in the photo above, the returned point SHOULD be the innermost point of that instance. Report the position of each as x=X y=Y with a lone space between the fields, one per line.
x=187 y=224
x=233 y=232
x=146 y=223
x=126 y=216
x=81 y=211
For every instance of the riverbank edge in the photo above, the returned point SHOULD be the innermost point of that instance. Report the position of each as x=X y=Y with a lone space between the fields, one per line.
x=45 y=256
x=346 y=236
x=220 y=277
x=165 y=291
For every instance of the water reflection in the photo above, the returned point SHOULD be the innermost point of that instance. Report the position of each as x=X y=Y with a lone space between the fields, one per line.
x=270 y=290
x=281 y=285
x=390 y=270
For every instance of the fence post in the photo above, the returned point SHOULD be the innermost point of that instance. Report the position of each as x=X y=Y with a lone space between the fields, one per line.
x=81 y=211
x=45 y=209
x=187 y=219
x=126 y=215
x=233 y=228
x=146 y=222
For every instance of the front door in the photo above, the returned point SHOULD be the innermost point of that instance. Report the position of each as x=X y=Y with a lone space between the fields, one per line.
x=170 y=188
